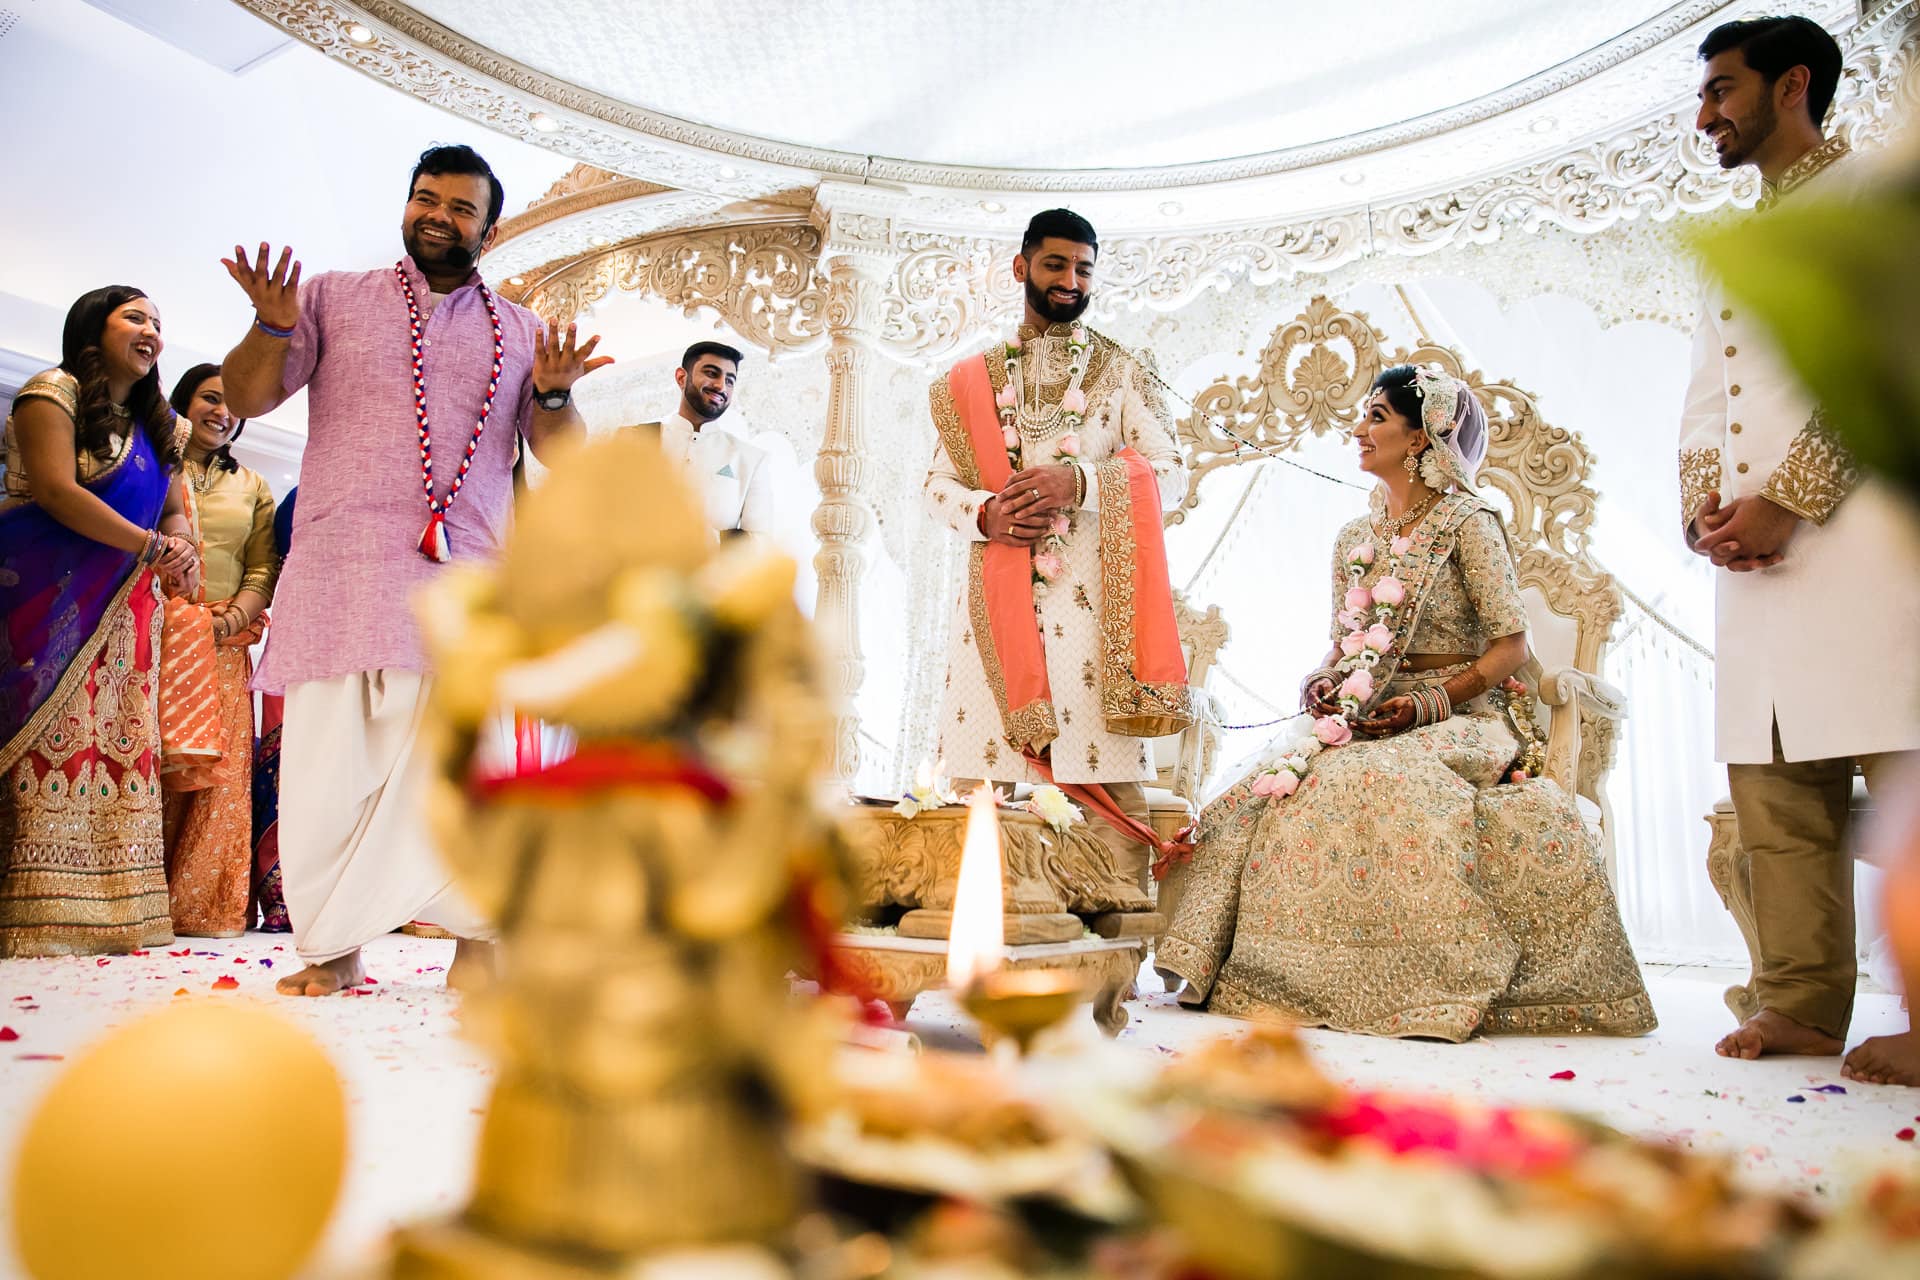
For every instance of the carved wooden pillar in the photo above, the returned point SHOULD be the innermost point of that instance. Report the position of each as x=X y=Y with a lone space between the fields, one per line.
x=858 y=253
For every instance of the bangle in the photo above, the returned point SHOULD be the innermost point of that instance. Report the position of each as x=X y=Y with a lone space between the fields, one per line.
x=269 y=330
x=150 y=552
x=1430 y=704
x=1079 y=486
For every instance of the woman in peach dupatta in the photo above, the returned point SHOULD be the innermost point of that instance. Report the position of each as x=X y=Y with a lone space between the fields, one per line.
x=210 y=828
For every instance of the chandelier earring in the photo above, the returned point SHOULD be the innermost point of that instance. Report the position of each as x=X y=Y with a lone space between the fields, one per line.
x=1412 y=463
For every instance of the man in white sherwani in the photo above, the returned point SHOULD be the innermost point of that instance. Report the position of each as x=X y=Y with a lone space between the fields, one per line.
x=1056 y=459
x=736 y=479
x=1818 y=573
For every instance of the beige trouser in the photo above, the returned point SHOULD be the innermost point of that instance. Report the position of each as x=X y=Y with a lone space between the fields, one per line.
x=1134 y=859
x=356 y=860
x=1793 y=821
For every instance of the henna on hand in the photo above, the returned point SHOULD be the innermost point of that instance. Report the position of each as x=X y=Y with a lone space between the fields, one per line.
x=1466 y=686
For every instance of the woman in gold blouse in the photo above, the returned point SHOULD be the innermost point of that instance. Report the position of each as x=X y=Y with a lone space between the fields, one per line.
x=210 y=831
x=1395 y=866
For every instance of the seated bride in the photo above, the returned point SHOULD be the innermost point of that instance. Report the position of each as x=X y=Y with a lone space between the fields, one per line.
x=1392 y=866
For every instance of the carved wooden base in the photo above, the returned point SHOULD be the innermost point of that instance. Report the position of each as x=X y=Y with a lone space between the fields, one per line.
x=1727 y=869
x=1021 y=930
x=897 y=970
x=915 y=862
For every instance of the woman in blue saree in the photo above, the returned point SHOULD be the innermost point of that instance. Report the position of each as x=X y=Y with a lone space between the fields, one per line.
x=86 y=538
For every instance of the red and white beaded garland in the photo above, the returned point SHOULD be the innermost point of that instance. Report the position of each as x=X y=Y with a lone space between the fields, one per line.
x=433 y=543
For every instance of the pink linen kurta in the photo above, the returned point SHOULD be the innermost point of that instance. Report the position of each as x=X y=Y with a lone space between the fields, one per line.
x=344 y=601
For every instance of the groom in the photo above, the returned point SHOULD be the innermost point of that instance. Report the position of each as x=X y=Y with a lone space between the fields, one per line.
x=1809 y=558
x=1055 y=460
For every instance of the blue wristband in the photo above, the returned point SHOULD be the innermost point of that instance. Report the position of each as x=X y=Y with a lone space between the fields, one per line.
x=269 y=330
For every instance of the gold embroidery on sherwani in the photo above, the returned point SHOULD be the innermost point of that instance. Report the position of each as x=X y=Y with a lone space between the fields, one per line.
x=946 y=421
x=1136 y=708
x=1816 y=474
x=1699 y=476
x=1802 y=169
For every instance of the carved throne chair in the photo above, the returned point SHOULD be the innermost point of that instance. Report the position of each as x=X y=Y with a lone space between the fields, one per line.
x=1311 y=380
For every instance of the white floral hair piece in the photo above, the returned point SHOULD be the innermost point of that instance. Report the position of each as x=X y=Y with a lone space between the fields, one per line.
x=1439 y=393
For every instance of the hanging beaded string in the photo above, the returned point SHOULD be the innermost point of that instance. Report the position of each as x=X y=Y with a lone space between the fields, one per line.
x=433 y=543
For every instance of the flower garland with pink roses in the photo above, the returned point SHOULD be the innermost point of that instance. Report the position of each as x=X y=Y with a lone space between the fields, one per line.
x=1368 y=617
x=1017 y=421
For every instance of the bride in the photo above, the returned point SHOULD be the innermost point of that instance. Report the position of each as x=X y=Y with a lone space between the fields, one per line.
x=1394 y=866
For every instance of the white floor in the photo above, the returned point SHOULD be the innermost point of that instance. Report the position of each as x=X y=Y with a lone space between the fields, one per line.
x=417 y=1090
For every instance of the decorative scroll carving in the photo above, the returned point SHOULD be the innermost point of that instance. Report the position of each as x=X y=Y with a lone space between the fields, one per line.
x=915 y=862
x=582 y=177
x=762 y=281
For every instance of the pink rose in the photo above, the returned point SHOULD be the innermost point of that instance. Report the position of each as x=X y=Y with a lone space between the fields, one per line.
x=1362 y=553
x=1350 y=620
x=1358 y=686
x=1009 y=397
x=1285 y=783
x=1352 y=643
x=1049 y=566
x=1069 y=444
x=1517 y=777
x=1061 y=526
x=1078 y=336
x=1389 y=590
x=1263 y=785
x=1332 y=731
x=1379 y=638
x=1013 y=344
x=1358 y=599
x=1402 y=545
x=1011 y=437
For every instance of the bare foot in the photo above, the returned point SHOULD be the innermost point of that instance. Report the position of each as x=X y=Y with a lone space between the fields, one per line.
x=327 y=978
x=475 y=965
x=1771 y=1032
x=1886 y=1060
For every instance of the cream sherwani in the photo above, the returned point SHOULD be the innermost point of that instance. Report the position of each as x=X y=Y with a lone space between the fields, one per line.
x=732 y=474
x=1849 y=586
x=1125 y=408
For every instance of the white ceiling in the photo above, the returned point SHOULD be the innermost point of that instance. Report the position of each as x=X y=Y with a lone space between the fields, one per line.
x=1039 y=83
x=131 y=160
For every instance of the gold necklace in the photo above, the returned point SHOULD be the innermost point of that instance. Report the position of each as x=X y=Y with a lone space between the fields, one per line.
x=1392 y=527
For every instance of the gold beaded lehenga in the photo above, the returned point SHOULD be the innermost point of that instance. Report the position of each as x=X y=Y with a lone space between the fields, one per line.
x=1406 y=888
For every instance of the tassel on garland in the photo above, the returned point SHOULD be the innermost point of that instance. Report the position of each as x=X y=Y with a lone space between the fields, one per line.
x=433 y=543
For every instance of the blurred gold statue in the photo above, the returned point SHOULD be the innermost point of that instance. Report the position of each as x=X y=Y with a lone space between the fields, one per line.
x=653 y=890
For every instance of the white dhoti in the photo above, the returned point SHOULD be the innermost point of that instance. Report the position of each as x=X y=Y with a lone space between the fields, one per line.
x=356 y=859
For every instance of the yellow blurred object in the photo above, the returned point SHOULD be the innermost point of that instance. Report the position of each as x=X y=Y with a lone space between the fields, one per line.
x=207 y=1140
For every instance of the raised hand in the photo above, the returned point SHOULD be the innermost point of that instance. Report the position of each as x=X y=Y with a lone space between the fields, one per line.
x=275 y=294
x=558 y=364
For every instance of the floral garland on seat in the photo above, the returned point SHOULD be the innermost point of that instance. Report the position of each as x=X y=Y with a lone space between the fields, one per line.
x=1048 y=561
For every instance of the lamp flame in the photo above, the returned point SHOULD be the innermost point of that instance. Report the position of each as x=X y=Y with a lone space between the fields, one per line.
x=977 y=939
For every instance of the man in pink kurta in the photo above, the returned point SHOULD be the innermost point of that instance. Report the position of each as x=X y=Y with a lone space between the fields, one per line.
x=344 y=646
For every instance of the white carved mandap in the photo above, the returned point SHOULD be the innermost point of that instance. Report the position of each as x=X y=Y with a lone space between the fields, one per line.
x=1282 y=196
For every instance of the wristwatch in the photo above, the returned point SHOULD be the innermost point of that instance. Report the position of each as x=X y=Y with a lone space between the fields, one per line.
x=553 y=401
